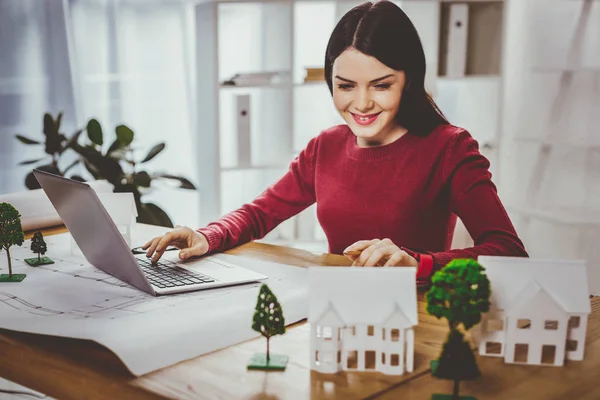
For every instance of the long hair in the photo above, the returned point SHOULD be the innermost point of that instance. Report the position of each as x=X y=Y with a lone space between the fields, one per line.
x=382 y=30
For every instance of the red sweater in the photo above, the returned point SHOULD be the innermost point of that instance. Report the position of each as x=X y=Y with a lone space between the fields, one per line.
x=409 y=191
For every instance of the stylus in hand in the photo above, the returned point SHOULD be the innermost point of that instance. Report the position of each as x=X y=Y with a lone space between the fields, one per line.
x=138 y=250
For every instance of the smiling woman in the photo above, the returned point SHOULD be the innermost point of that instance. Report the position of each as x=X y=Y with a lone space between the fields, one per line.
x=390 y=183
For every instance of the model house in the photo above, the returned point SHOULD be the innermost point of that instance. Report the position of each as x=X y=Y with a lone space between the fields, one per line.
x=362 y=319
x=539 y=310
x=122 y=209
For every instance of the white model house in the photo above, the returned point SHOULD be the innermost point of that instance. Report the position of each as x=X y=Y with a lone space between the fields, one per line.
x=362 y=319
x=123 y=211
x=539 y=310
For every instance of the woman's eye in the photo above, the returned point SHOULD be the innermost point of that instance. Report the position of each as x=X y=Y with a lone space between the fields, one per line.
x=344 y=86
x=383 y=86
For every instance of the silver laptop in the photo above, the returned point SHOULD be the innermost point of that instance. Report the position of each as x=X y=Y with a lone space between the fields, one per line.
x=105 y=248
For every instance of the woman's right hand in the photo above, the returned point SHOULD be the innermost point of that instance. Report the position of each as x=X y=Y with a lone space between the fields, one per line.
x=190 y=242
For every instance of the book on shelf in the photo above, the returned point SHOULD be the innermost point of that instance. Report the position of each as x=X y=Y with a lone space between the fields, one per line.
x=314 y=74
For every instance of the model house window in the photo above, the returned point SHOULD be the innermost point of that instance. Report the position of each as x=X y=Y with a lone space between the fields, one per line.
x=523 y=323
x=574 y=322
x=327 y=333
x=495 y=325
x=370 y=330
x=521 y=352
x=395 y=360
x=352 y=359
x=383 y=358
x=382 y=333
x=493 y=348
x=551 y=325
x=548 y=354
x=370 y=359
x=395 y=335
x=571 y=345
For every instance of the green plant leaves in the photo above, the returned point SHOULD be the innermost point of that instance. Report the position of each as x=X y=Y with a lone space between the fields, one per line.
x=94 y=131
x=25 y=140
x=459 y=292
x=184 y=183
x=124 y=135
x=54 y=139
x=117 y=166
x=142 y=179
x=149 y=213
x=153 y=152
x=30 y=161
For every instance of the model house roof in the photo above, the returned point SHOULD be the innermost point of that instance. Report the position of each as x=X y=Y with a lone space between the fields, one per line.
x=512 y=278
x=535 y=302
x=363 y=295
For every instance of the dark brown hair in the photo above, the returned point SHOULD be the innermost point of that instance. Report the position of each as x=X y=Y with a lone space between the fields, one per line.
x=382 y=30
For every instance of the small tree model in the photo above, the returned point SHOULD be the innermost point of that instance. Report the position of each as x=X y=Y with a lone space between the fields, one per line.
x=38 y=246
x=460 y=292
x=268 y=320
x=11 y=233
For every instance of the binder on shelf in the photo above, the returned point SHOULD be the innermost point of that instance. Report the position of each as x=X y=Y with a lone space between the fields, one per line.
x=242 y=124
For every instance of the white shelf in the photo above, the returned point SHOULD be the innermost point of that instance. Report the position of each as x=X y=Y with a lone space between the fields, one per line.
x=559 y=142
x=310 y=83
x=565 y=216
x=266 y=85
x=555 y=70
x=254 y=167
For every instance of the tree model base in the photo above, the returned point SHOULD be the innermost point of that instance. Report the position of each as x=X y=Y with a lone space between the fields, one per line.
x=277 y=362
x=438 y=396
x=13 y=278
x=34 y=262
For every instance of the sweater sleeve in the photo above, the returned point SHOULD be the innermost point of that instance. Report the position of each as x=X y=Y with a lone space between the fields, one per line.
x=474 y=199
x=291 y=194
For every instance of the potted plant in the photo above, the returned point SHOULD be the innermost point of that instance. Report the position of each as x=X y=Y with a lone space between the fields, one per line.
x=117 y=165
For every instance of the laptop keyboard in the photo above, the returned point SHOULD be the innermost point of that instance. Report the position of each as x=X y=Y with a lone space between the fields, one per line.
x=167 y=274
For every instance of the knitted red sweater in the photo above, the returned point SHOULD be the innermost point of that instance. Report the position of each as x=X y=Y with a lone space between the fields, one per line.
x=409 y=191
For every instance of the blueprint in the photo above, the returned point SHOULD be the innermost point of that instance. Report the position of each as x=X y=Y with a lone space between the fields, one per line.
x=71 y=298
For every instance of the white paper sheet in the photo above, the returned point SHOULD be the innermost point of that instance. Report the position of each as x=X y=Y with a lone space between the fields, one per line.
x=73 y=299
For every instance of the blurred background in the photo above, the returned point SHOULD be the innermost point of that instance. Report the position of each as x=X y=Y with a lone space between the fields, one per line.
x=234 y=90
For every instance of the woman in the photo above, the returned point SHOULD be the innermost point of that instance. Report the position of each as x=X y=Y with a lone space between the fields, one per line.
x=390 y=182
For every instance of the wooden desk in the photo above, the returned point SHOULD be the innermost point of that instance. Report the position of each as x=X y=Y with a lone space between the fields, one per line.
x=76 y=369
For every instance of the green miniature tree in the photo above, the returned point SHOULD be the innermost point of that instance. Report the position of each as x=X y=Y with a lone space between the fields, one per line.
x=268 y=320
x=11 y=233
x=38 y=245
x=460 y=292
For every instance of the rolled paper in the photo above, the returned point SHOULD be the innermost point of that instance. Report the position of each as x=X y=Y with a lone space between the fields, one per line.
x=36 y=209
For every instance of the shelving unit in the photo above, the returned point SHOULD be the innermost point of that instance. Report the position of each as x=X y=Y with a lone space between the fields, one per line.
x=234 y=37
x=557 y=213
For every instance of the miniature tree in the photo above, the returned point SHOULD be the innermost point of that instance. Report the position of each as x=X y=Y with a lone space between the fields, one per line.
x=38 y=245
x=268 y=320
x=11 y=233
x=460 y=292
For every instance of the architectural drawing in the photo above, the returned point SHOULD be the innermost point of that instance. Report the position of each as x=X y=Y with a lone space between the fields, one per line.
x=539 y=310
x=362 y=319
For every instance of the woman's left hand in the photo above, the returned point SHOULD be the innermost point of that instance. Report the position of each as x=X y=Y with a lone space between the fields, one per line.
x=379 y=253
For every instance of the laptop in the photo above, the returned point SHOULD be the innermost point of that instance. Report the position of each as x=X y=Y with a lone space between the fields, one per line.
x=104 y=247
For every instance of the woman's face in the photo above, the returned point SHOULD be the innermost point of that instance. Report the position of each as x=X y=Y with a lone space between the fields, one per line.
x=367 y=94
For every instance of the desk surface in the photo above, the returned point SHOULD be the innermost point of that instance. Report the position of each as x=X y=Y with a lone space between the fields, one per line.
x=72 y=369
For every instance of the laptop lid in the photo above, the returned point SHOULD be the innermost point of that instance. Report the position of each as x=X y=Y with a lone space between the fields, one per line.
x=93 y=229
